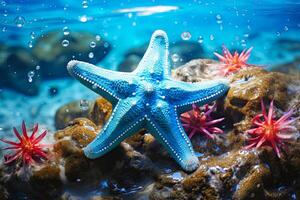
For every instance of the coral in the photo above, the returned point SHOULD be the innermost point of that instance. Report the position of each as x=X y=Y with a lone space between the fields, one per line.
x=269 y=131
x=197 y=121
x=250 y=85
x=29 y=148
x=232 y=63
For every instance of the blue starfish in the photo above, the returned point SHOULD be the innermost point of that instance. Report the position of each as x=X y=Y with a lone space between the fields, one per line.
x=147 y=98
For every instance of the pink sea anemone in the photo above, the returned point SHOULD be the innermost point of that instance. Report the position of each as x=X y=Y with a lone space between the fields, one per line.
x=232 y=63
x=199 y=120
x=269 y=131
x=28 y=149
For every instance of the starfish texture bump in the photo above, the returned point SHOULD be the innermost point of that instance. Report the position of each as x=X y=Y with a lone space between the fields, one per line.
x=147 y=98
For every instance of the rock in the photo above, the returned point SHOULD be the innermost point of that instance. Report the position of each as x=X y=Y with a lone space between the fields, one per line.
x=16 y=63
x=197 y=70
x=291 y=68
x=98 y=111
x=129 y=63
x=70 y=111
x=47 y=179
x=53 y=56
x=250 y=85
x=251 y=187
x=4 y=195
x=184 y=50
x=79 y=169
x=217 y=178
x=81 y=131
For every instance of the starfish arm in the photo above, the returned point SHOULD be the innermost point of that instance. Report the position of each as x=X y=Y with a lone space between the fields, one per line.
x=183 y=95
x=112 y=85
x=155 y=61
x=124 y=121
x=164 y=124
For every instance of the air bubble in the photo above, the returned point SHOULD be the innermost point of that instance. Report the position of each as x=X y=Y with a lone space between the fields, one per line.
x=84 y=4
x=175 y=57
x=219 y=19
x=243 y=43
x=3 y=3
x=38 y=67
x=20 y=21
x=66 y=30
x=92 y=44
x=98 y=38
x=30 y=45
x=286 y=28
x=83 y=18
x=211 y=37
x=84 y=104
x=200 y=39
x=65 y=43
x=186 y=35
x=32 y=35
x=94 y=86
x=278 y=34
x=91 y=55
x=106 y=45
x=30 y=74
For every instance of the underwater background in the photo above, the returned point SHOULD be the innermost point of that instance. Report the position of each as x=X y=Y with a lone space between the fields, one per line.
x=39 y=37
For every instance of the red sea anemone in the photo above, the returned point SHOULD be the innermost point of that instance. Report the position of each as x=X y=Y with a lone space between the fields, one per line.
x=27 y=149
x=232 y=63
x=197 y=121
x=269 y=131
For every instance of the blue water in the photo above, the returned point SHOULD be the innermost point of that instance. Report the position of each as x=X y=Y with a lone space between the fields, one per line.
x=127 y=24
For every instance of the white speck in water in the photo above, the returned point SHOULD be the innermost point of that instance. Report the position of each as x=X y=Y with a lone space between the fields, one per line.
x=186 y=35
x=129 y=15
x=38 y=67
x=277 y=34
x=94 y=86
x=92 y=44
x=91 y=55
x=83 y=18
x=211 y=37
x=133 y=23
x=20 y=21
x=4 y=29
x=84 y=104
x=30 y=45
x=98 y=38
x=175 y=57
x=106 y=44
x=243 y=43
x=5 y=14
x=3 y=3
x=66 y=30
x=65 y=43
x=286 y=28
x=200 y=39
x=32 y=35
x=219 y=19
x=30 y=74
x=84 y=4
